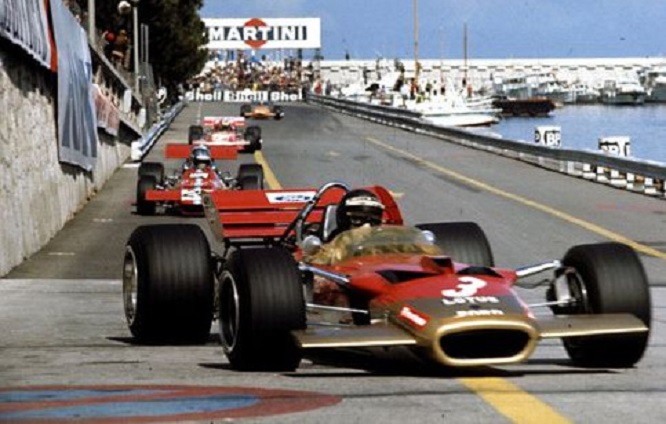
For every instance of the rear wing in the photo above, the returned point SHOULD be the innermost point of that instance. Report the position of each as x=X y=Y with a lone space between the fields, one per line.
x=237 y=215
x=234 y=121
x=183 y=151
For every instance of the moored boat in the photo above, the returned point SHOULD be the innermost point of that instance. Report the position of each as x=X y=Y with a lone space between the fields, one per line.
x=532 y=106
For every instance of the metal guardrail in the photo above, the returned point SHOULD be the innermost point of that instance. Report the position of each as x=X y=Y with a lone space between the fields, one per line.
x=643 y=176
x=142 y=146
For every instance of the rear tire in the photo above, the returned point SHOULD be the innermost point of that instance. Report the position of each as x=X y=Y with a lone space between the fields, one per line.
x=464 y=242
x=260 y=302
x=143 y=206
x=614 y=280
x=251 y=176
x=168 y=284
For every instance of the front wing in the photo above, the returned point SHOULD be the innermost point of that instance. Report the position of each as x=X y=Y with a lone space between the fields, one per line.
x=387 y=334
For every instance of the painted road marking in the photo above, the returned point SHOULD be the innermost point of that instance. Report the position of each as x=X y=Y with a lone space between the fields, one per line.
x=508 y=399
x=269 y=176
x=524 y=201
x=152 y=403
x=513 y=402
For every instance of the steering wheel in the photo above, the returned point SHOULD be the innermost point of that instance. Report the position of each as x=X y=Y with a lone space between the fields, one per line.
x=297 y=223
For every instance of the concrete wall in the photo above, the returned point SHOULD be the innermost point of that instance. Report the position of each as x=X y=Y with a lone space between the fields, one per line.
x=38 y=195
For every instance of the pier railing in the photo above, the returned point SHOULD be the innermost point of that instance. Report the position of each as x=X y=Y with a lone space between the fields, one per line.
x=642 y=176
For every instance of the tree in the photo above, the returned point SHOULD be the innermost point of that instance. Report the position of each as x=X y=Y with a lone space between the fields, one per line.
x=177 y=35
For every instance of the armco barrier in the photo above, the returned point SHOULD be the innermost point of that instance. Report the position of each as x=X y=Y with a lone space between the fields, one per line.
x=632 y=174
x=143 y=145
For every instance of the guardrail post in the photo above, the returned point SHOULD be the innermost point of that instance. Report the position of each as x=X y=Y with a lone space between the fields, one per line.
x=588 y=172
x=648 y=186
x=617 y=179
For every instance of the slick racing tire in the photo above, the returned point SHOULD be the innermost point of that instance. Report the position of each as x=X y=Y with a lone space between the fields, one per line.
x=249 y=182
x=194 y=133
x=260 y=302
x=609 y=278
x=143 y=206
x=253 y=135
x=250 y=176
x=168 y=284
x=252 y=132
x=278 y=113
x=154 y=169
x=464 y=242
x=245 y=109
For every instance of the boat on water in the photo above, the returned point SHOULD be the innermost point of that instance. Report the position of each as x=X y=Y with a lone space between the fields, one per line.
x=530 y=106
x=516 y=96
x=585 y=93
x=451 y=109
x=623 y=91
x=654 y=81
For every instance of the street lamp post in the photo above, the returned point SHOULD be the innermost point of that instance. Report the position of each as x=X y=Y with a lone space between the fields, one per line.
x=135 y=38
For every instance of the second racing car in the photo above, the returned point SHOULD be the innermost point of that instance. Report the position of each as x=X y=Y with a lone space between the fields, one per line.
x=182 y=191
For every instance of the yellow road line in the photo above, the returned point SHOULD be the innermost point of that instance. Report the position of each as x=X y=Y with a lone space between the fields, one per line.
x=512 y=402
x=522 y=200
x=272 y=181
x=506 y=398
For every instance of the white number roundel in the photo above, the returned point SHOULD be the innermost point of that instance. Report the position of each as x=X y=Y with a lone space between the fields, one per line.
x=468 y=286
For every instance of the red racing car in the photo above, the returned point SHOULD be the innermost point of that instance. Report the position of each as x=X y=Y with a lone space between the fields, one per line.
x=226 y=131
x=182 y=192
x=433 y=288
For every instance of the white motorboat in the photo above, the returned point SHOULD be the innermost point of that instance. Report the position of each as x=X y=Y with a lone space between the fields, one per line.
x=452 y=110
x=654 y=81
x=623 y=91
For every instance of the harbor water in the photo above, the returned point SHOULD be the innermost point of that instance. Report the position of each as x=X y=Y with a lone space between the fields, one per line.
x=581 y=127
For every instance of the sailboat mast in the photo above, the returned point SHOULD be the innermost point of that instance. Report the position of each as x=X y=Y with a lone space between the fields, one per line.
x=415 y=4
x=465 y=53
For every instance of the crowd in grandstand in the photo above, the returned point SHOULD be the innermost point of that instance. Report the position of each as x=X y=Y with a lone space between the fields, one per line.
x=254 y=74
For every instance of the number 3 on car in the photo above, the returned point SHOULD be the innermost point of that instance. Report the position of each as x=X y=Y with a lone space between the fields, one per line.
x=468 y=287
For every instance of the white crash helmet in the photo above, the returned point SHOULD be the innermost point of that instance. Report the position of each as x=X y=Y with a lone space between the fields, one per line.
x=201 y=157
x=357 y=208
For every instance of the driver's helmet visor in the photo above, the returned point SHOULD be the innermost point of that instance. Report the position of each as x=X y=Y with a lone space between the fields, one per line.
x=372 y=216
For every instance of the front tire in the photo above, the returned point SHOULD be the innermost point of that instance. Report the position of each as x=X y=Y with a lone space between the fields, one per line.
x=168 y=284
x=260 y=302
x=145 y=184
x=614 y=280
x=153 y=169
x=464 y=242
x=250 y=176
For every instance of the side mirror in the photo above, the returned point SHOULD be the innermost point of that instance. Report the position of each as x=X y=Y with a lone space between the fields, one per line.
x=311 y=245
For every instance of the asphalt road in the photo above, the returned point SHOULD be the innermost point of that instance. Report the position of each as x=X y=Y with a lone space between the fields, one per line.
x=62 y=324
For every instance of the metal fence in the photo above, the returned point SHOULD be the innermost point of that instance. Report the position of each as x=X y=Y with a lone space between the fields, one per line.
x=642 y=176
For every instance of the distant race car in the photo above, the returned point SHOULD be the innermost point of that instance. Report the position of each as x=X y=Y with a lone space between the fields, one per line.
x=226 y=131
x=182 y=192
x=261 y=110
x=432 y=288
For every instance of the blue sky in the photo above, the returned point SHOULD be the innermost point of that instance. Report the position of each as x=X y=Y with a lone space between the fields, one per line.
x=496 y=28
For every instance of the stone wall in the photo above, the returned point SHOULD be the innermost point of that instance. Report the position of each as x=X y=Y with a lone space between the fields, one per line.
x=38 y=195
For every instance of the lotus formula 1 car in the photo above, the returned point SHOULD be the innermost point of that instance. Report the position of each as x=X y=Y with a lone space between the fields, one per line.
x=226 y=131
x=432 y=289
x=182 y=191
x=261 y=110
